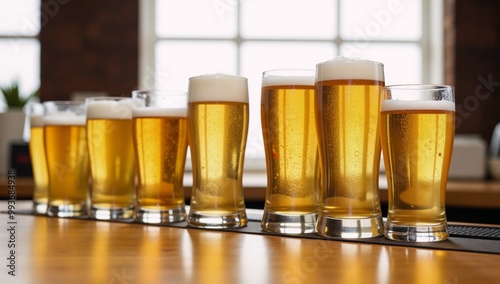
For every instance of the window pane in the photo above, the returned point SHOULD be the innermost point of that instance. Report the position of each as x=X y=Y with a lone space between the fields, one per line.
x=196 y=18
x=177 y=61
x=402 y=62
x=365 y=20
x=20 y=61
x=288 y=19
x=20 y=17
x=257 y=57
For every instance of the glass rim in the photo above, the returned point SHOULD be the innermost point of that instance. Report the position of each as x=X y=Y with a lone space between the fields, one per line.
x=107 y=98
x=218 y=76
x=419 y=87
x=155 y=91
x=63 y=102
x=295 y=71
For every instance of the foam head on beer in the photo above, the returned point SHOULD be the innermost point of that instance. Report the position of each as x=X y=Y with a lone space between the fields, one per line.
x=293 y=77
x=35 y=114
x=418 y=97
x=36 y=120
x=160 y=103
x=111 y=108
x=395 y=105
x=64 y=118
x=218 y=88
x=420 y=93
x=54 y=116
x=343 y=68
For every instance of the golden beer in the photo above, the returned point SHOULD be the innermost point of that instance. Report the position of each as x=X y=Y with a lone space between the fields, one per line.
x=39 y=164
x=161 y=164
x=348 y=108
x=291 y=145
x=112 y=160
x=417 y=141
x=160 y=140
x=67 y=162
x=218 y=129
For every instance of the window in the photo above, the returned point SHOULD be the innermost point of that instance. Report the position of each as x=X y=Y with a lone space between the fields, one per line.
x=185 y=38
x=19 y=45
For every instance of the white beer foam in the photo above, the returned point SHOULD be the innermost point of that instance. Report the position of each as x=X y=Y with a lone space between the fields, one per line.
x=218 y=88
x=64 y=118
x=342 y=68
x=392 y=105
x=287 y=80
x=159 y=112
x=110 y=109
x=36 y=120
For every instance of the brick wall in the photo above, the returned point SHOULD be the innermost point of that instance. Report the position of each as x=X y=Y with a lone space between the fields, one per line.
x=88 y=45
x=477 y=60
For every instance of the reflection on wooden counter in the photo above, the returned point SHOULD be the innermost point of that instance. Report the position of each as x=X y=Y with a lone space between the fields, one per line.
x=84 y=251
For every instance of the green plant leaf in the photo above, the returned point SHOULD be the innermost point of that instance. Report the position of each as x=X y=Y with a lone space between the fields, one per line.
x=13 y=98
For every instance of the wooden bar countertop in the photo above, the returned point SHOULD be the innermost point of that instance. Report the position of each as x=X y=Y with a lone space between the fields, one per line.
x=62 y=250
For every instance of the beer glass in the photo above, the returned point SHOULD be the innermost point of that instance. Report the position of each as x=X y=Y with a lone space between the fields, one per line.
x=67 y=158
x=417 y=132
x=217 y=133
x=348 y=95
x=160 y=143
x=38 y=160
x=112 y=161
x=291 y=149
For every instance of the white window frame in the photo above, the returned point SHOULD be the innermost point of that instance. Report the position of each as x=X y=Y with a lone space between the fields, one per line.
x=14 y=38
x=432 y=44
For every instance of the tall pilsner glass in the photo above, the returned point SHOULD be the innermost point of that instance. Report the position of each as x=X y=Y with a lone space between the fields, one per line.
x=112 y=160
x=417 y=132
x=38 y=159
x=291 y=147
x=348 y=95
x=160 y=143
x=217 y=133
x=67 y=158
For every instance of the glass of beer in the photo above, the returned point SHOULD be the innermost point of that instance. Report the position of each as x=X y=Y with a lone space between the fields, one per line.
x=67 y=158
x=38 y=160
x=217 y=134
x=112 y=160
x=417 y=132
x=348 y=95
x=160 y=143
x=291 y=150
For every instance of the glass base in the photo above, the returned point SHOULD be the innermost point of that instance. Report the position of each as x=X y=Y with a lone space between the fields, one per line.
x=212 y=221
x=160 y=216
x=289 y=223
x=331 y=227
x=39 y=208
x=124 y=213
x=433 y=233
x=67 y=210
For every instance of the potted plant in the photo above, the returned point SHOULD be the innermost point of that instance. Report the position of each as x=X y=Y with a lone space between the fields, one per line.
x=12 y=121
x=13 y=97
